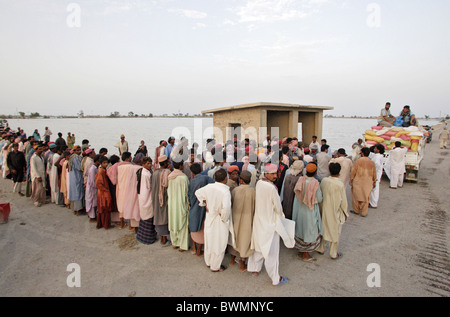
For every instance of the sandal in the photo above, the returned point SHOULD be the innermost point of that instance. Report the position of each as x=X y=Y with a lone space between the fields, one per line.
x=283 y=280
x=309 y=260
x=353 y=212
x=339 y=255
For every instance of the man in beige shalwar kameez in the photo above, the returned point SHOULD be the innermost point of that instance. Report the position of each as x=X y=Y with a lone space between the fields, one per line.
x=37 y=175
x=363 y=179
x=243 y=210
x=346 y=166
x=334 y=210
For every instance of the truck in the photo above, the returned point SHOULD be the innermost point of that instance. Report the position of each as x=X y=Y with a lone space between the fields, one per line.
x=412 y=161
x=413 y=158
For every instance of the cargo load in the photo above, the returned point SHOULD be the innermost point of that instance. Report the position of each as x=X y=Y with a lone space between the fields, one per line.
x=413 y=138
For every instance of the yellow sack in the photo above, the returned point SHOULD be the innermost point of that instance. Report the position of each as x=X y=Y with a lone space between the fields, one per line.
x=413 y=137
x=373 y=138
x=401 y=133
x=414 y=147
x=371 y=132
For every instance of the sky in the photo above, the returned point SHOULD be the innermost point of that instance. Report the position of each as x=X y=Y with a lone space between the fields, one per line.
x=59 y=57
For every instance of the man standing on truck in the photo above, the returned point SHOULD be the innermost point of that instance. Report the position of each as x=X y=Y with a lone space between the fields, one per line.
x=386 y=119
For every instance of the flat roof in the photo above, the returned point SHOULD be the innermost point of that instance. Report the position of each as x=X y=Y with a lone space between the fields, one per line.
x=281 y=106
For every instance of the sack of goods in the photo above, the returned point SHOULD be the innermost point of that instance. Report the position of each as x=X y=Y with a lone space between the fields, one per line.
x=409 y=136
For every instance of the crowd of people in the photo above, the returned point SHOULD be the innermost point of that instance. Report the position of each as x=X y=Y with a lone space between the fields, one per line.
x=239 y=197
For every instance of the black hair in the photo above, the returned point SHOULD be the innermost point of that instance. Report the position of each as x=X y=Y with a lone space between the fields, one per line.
x=365 y=151
x=125 y=155
x=103 y=158
x=196 y=168
x=97 y=157
x=335 y=168
x=398 y=144
x=177 y=164
x=114 y=159
x=380 y=148
x=146 y=159
x=324 y=147
x=220 y=175
x=103 y=150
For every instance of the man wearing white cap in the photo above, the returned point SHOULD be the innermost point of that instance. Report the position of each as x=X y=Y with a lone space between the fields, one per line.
x=269 y=224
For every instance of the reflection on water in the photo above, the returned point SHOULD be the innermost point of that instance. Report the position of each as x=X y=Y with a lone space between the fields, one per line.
x=105 y=132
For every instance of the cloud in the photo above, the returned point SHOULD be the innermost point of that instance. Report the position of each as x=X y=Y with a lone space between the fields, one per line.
x=199 y=26
x=270 y=11
x=191 y=14
x=118 y=7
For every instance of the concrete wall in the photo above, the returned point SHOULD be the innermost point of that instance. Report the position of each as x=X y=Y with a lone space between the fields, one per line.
x=280 y=120
x=311 y=125
x=248 y=118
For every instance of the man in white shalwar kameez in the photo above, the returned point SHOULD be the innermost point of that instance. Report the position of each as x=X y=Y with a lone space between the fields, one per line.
x=395 y=165
x=269 y=224
x=218 y=223
x=378 y=158
x=54 y=176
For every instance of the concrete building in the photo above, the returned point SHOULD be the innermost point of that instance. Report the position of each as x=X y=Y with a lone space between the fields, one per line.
x=256 y=120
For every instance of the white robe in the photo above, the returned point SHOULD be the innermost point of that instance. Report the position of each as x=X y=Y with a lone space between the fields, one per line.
x=269 y=218
x=395 y=166
x=145 y=195
x=269 y=224
x=218 y=225
x=377 y=158
x=54 y=184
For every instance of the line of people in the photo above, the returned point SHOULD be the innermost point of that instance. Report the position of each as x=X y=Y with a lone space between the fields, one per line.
x=239 y=198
